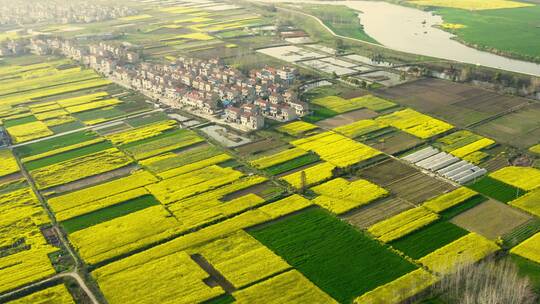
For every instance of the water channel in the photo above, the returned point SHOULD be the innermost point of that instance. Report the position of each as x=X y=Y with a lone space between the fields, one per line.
x=411 y=30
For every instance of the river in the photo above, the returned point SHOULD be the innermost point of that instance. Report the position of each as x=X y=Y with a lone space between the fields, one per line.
x=411 y=30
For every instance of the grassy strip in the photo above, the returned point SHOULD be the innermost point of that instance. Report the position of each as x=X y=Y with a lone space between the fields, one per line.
x=462 y=207
x=43 y=162
x=109 y=213
x=19 y=121
x=428 y=239
x=54 y=143
x=293 y=164
x=496 y=189
x=342 y=261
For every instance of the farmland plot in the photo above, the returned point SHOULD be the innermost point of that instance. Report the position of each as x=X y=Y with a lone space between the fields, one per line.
x=336 y=259
x=491 y=219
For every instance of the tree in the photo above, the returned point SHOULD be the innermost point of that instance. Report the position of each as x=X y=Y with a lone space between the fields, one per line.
x=303 y=182
x=489 y=282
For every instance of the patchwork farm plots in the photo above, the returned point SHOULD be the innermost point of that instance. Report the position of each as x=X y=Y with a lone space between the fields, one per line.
x=363 y=201
x=161 y=214
x=168 y=29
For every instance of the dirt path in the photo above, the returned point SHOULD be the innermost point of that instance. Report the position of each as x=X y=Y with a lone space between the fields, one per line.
x=73 y=274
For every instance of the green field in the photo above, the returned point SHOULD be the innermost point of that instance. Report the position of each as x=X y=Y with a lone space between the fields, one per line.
x=19 y=121
x=54 y=143
x=495 y=189
x=43 y=162
x=109 y=213
x=70 y=126
x=341 y=19
x=428 y=239
x=293 y=164
x=512 y=31
x=342 y=261
x=522 y=233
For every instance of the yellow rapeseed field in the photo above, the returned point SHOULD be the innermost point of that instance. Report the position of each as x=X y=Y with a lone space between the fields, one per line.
x=297 y=128
x=99 y=204
x=8 y=163
x=342 y=105
x=174 y=278
x=79 y=198
x=191 y=183
x=241 y=259
x=535 y=149
x=62 y=150
x=278 y=158
x=359 y=128
x=403 y=224
x=340 y=195
x=288 y=287
x=124 y=234
x=56 y=294
x=142 y=132
x=93 y=105
x=80 y=167
x=449 y=200
x=74 y=101
x=337 y=149
x=529 y=202
x=197 y=211
x=214 y=160
x=464 y=251
x=525 y=178
x=400 y=289
x=473 y=147
x=314 y=175
x=529 y=249
x=20 y=217
x=415 y=123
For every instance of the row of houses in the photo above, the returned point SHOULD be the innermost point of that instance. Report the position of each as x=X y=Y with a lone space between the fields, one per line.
x=209 y=87
x=77 y=11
